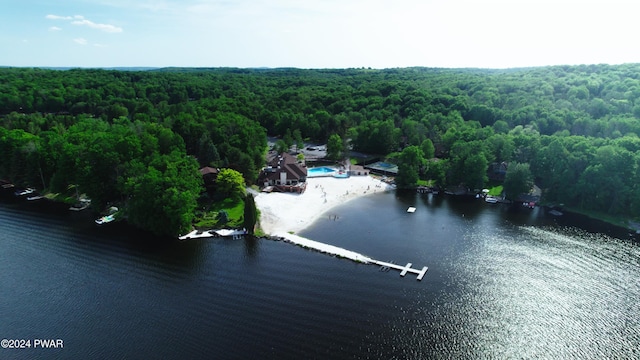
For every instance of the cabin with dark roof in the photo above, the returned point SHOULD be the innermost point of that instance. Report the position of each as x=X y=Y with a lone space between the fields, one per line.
x=209 y=176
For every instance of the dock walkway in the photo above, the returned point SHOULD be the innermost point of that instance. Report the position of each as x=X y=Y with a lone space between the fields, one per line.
x=334 y=250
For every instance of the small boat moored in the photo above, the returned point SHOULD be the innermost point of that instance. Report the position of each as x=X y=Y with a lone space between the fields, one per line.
x=491 y=200
x=24 y=192
x=105 y=219
x=81 y=205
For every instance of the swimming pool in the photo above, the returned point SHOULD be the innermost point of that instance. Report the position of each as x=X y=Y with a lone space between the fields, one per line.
x=320 y=171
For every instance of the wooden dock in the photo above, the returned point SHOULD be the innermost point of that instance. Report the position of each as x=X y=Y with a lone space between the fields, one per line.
x=224 y=233
x=403 y=269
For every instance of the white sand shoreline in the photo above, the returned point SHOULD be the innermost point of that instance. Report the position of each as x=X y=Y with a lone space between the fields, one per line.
x=291 y=213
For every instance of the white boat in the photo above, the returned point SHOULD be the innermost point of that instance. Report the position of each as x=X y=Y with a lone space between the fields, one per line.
x=490 y=200
x=25 y=192
x=83 y=204
x=105 y=219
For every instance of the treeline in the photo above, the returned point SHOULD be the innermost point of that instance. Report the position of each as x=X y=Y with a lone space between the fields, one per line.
x=576 y=126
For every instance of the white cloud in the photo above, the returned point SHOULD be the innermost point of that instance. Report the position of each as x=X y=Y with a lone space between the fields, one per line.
x=80 y=41
x=104 y=27
x=81 y=21
x=58 y=17
x=54 y=28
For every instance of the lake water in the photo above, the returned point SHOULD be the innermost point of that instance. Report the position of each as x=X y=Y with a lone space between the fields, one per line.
x=501 y=284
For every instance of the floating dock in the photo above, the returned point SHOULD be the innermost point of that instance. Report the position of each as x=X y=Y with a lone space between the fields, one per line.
x=196 y=234
x=403 y=269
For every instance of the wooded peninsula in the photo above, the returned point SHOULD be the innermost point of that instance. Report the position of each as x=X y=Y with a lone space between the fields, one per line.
x=139 y=138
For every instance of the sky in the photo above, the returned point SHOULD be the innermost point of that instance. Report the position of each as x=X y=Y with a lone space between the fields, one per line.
x=317 y=33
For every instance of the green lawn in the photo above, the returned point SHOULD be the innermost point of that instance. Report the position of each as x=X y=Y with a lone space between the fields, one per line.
x=495 y=191
x=234 y=208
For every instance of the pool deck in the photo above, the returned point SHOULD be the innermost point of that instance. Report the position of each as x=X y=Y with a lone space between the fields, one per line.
x=324 y=172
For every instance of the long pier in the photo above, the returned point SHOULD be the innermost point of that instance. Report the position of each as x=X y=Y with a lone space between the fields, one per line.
x=334 y=250
x=318 y=246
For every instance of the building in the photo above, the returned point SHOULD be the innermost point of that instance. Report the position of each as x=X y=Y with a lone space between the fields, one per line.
x=209 y=176
x=357 y=170
x=284 y=172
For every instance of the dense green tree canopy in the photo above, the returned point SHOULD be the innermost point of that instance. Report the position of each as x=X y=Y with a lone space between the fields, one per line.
x=231 y=184
x=335 y=147
x=410 y=162
x=518 y=180
x=575 y=125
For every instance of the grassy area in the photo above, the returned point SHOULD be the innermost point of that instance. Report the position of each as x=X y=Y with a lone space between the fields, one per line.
x=495 y=190
x=424 y=182
x=209 y=218
x=615 y=220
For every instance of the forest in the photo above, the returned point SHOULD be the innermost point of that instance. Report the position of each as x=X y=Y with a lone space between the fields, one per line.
x=139 y=137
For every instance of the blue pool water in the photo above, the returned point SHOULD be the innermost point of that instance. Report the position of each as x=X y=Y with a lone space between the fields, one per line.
x=320 y=171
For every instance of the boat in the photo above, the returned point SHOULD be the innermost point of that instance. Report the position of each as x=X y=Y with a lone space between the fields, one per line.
x=24 y=192
x=105 y=219
x=81 y=205
x=35 y=197
x=491 y=200
x=555 y=212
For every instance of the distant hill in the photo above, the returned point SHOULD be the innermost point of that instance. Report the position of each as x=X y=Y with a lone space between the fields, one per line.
x=63 y=68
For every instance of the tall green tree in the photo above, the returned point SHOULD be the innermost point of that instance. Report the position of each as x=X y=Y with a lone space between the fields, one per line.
x=281 y=146
x=428 y=149
x=518 y=180
x=250 y=213
x=475 y=167
x=162 y=195
x=335 y=147
x=410 y=161
x=230 y=183
x=297 y=139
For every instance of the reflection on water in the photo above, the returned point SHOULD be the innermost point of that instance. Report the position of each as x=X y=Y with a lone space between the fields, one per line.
x=532 y=292
x=501 y=284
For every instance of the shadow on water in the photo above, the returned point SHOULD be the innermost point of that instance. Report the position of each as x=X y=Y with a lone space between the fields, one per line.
x=470 y=208
x=251 y=246
x=118 y=237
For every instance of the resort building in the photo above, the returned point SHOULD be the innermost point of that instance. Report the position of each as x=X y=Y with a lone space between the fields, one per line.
x=357 y=170
x=284 y=173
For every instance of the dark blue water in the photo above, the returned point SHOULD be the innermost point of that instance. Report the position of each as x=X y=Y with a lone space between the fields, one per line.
x=501 y=284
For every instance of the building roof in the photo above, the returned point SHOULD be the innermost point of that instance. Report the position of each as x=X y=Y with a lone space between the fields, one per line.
x=208 y=170
x=287 y=163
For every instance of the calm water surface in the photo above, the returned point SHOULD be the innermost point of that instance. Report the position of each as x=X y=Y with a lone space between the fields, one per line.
x=501 y=284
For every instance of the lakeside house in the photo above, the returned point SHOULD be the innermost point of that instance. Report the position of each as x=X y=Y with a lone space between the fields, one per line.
x=284 y=173
x=497 y=171
x=358 y=170
x=209 y=176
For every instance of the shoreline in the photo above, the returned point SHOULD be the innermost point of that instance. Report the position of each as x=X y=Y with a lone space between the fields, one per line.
x=291 y=213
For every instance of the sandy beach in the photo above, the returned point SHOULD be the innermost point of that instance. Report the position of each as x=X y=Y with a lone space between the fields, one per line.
x=289 y=212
